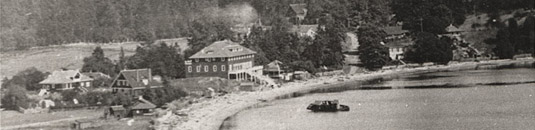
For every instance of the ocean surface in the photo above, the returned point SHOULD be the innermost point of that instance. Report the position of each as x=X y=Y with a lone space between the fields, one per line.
x=476 y=99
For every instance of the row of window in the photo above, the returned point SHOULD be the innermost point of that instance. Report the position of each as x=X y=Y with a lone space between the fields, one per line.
x=224 y=59
x=206 y=68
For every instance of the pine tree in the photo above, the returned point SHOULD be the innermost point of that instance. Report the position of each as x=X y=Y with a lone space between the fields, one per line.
x=372 y=53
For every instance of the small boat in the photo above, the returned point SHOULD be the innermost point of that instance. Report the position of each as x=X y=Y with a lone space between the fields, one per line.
x=327 y=106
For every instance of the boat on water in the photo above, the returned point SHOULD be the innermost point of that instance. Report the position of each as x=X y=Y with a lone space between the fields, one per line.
x=327 y=106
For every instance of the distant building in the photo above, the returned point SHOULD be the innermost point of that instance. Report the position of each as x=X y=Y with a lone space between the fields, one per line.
x=274 y=69
x=133 y=82
x=225 y=59
x=453 y=32
x=396 y=41
x=66 y=80
x=142 y=108
x=304 y=30
x=297 y=13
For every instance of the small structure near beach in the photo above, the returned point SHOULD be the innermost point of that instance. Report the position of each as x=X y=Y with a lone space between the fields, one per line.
x=115 y=111
x=142 y=108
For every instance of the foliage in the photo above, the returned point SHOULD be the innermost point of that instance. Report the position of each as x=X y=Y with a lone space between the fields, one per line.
x=204 y=32
x=429 y=15
x=28 y=78
x=513 y=38
x=15 y=97
x=163 y=60
x=372 y=53
x=98 y=62
x=326 y=48
x=69 y=95
x=160 y=96
x=429 y=48
x=102 y=82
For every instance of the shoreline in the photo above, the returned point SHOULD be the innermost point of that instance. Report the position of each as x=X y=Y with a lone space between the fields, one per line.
x=211 y=114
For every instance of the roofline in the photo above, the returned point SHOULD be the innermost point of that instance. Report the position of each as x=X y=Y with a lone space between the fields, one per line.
x=196 y=57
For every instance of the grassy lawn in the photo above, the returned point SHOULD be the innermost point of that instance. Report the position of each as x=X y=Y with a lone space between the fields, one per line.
x=55 y=57
x=12 y=118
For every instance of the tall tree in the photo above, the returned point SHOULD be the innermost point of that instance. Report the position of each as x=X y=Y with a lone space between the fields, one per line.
x=98 y=62
x=429 y=48
x=429 y=15
x=372 y=53
x=15 y=97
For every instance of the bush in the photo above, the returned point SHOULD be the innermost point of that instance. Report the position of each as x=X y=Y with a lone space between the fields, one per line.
x=15 y=97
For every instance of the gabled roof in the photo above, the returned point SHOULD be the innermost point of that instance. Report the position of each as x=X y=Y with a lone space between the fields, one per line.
x=135 y=78
x=273 y=66
x=303 y=28
x=95 y=75
x=394 y=30
x=143 y=104
x=117 y=108
x=65 y=76
x=221 y=49
x=299 y=9
x=399 y=43
x=452 y=28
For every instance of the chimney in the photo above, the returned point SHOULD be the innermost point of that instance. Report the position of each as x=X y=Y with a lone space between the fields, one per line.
x=150 y=74
x=137 y=75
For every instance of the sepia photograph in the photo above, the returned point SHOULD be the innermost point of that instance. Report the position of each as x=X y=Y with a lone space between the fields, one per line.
x=267 y=64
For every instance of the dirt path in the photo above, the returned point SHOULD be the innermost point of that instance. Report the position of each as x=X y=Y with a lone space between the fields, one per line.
x=40 y=123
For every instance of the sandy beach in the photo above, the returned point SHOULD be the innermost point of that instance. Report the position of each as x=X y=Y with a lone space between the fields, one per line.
x=210 y=114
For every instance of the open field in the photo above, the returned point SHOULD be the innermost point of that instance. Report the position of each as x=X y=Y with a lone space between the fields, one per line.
x=13 y=119
x=55 y=57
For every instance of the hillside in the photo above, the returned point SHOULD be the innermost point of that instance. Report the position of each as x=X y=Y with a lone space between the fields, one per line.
x=55 y=57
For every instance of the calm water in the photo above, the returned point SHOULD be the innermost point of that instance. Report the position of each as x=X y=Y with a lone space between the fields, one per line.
x=479 y=99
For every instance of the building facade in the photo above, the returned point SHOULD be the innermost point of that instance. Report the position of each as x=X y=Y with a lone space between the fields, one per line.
x=134 y=82
x=66 y=80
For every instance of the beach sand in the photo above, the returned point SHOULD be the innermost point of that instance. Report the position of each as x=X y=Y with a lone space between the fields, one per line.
x=210 y=114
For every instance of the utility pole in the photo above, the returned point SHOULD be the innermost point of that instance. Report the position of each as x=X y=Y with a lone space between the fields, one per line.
x=421 y=24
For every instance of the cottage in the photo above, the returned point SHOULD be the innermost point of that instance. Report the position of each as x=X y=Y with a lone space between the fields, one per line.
x=396 y=41
x=115 y=111
x=226 y=59
x=142 y=108
x=453 y=32
x=304 y=30
x=274 y=69
x=66 y=80
x=297 y=13
x=134 y=82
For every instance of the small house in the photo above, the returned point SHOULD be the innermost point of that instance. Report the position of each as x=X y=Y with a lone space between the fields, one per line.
x=142 y=108
x=134 y=82
x=297 y=13
x=82 y=124
x=274 y=69
x=66 y=80
x=304 y=30
x=115 y=111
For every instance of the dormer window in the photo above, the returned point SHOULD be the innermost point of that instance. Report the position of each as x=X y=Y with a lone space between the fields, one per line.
x=77 y=76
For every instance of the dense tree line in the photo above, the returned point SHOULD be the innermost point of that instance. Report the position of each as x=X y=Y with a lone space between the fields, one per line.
x=371 y=52
x=428 y=47
x=514 y=39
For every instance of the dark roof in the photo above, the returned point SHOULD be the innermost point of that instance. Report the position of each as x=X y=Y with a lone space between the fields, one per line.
x=143 y=104
x=394 y=30
x=135 y=78
x=221 y=49
x=399 y=43
x=65 y=76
